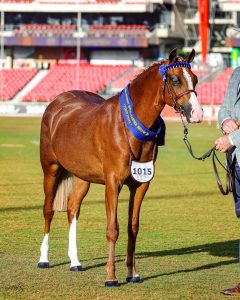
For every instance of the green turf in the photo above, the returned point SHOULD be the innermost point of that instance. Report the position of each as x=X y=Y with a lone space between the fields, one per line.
x=187 y=245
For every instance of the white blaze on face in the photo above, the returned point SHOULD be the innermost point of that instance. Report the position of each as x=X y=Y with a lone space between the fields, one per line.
x=196 y=113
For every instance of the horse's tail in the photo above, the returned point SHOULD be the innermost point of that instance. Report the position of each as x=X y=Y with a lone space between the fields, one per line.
x=64 y=189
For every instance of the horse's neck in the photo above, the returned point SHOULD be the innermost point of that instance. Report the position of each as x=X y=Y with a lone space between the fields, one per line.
x=145 y=93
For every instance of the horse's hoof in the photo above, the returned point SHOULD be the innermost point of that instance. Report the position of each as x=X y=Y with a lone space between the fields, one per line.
x=136 y=279
x=43 y=265
x=111 y=283
x=76 y=268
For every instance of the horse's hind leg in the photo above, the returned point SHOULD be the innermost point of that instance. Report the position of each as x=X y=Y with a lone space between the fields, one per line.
x=50 y=185
x=138 y=192
x=80 y=189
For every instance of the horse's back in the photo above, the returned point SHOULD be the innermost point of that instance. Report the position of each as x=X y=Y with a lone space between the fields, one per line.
x=68 y=102
x=74 y=100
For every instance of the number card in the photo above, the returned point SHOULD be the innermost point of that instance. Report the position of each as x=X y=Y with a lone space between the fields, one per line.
x=142 y=171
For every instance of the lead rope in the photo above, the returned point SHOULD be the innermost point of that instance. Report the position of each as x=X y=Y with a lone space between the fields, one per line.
x=212 y=151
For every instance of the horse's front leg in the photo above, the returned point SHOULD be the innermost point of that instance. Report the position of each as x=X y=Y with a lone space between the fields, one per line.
x=111 y=197
x=80 y=189
x=137 y=193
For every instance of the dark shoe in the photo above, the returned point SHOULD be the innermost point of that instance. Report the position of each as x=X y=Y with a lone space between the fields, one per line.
x=232 y=291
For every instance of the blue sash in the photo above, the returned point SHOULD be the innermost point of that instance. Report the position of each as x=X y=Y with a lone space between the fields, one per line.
x=135 y=126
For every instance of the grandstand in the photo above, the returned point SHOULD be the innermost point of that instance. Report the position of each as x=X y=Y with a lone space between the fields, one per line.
x=52 y=29
x=50 y=46
x=213 y=92
x=96 y=78
x=67 y=77
x=13 y=80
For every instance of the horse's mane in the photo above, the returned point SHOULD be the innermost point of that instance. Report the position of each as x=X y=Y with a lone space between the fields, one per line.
x=154 y=64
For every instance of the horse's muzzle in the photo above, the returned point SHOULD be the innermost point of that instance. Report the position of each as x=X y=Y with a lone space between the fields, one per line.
x=196 y=116
x=193 y=114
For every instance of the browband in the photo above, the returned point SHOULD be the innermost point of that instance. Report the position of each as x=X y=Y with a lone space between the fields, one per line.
x=164 y=69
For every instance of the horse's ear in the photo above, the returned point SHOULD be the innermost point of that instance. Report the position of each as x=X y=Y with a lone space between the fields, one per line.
x=172 y=55
x=191 y=56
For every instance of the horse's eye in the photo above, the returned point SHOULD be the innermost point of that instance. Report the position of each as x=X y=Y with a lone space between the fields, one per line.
x=175 y=80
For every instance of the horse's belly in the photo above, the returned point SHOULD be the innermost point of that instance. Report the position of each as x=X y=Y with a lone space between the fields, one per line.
x=88 y=169
x=77 y=152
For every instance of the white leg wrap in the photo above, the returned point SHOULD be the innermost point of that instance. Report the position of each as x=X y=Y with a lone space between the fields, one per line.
x=44 y=249
x=72 y=249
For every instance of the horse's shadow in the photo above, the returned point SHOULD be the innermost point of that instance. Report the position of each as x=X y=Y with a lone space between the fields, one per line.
x=227 y=249
x=221 y=249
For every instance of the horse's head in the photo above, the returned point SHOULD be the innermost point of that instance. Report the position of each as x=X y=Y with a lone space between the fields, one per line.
x=179 y=86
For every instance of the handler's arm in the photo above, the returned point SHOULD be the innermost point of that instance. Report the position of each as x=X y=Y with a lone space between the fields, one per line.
x=230 y=97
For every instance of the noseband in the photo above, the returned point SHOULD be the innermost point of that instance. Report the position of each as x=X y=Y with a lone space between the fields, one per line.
x=163 y=71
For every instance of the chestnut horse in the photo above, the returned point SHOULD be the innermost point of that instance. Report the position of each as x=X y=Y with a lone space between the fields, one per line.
x=85 y=139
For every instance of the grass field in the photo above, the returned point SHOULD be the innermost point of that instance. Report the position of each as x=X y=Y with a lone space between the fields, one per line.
x=187 y=245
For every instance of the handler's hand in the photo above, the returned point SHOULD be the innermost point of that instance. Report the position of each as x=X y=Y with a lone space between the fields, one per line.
x=223 y=144
x=229 y=126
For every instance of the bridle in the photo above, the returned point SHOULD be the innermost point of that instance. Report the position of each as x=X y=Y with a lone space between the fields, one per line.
x=175 y=98
x=163 y=71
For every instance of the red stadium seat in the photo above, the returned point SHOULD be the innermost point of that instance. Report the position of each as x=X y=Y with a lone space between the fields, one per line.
x=45 y=30
x=213 y=92
x=116 y=30
x=64 y=77
x=121 y=82
x=13 y=81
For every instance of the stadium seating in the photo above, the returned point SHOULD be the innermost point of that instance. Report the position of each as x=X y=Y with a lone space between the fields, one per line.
x=13 y=81
x=107 y=1
x=208 y=92
x=93 y=2
x=200 y=73
x=65 y=76
x=123 y=80
x=62 y=78
x=45 y=30
x=16 y=1
x=213 y=92
x=113 y=30
x=77 y=1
